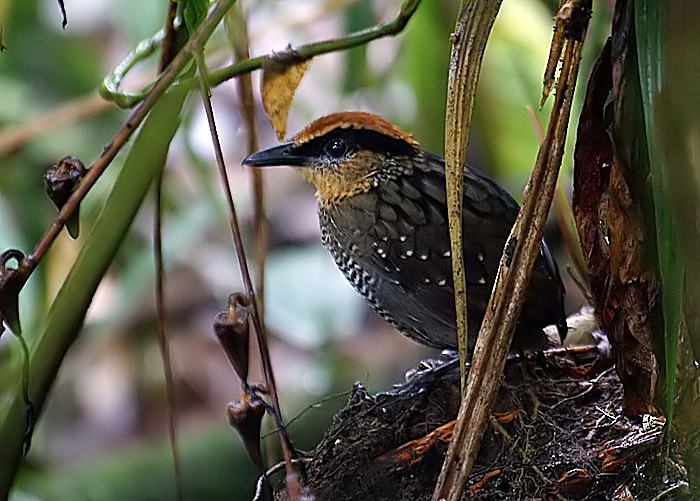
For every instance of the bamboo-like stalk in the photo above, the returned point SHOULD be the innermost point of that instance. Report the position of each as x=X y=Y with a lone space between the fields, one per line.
x=519 y=257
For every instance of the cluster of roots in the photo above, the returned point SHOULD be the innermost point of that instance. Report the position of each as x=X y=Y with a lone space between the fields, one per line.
x=556 y=432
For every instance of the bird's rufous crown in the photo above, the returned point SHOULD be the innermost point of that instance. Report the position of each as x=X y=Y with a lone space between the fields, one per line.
x=352 y=120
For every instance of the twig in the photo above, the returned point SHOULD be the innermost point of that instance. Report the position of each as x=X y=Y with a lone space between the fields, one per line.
x=238 y=33
x=216 y=77
x=522 y=248
x=682 y=487
x=293 y=487
x=168 y=52
x=316 y=405
x=260 y=484
x=169 y=47
x=589 y=387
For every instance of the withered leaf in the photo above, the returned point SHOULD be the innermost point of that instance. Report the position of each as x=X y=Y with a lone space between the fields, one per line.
x=611 y=206
x=593 y=159
x=282 y=73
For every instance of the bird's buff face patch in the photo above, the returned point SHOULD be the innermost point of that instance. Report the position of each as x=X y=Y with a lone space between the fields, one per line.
x=346 y=163
x=336 y=181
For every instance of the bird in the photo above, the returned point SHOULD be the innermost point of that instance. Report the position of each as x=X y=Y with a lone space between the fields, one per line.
x=383 y=217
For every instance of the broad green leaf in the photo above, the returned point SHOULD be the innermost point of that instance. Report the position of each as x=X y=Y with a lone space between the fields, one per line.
x=194 y=12
x=650 y=30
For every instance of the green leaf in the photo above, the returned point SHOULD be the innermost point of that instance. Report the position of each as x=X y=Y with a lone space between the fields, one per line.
x=650 y=30
x=194 y=12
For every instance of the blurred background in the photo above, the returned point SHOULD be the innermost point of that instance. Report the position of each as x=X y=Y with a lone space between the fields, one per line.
x=103 y=434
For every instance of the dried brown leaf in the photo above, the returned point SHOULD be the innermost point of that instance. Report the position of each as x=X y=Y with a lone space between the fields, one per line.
x=282 y=73
x=610 y=201
x=593 y=159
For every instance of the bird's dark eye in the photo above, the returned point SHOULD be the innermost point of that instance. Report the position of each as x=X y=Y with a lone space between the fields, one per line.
x=336 y=148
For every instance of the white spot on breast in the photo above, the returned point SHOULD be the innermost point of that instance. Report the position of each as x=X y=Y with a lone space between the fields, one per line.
x=446 y=254
x=409 y=252
x=482 y=280
x=423 y=257
x=427 y=280
x=403 y=238
x=480 y=257
x=442 y=282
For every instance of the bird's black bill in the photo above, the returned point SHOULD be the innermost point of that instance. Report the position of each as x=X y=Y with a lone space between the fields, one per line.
x=283 y=154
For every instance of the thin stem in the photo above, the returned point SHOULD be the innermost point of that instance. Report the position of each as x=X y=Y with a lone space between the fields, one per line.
x=244 y=269
x=169 y=44
x=238 y=34
x=167 y=53
x=163 y=342
x=408 y=8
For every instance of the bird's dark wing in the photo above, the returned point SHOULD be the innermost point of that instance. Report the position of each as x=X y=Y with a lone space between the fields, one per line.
x=422 y=249
x=401 y=229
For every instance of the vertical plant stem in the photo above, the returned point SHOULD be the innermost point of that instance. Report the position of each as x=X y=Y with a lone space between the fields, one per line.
x=293 y=487
x=169 y=47
x=238 y=34
x=474 y=22
x=168 y=51
x=522 y=248
x=163 y=342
